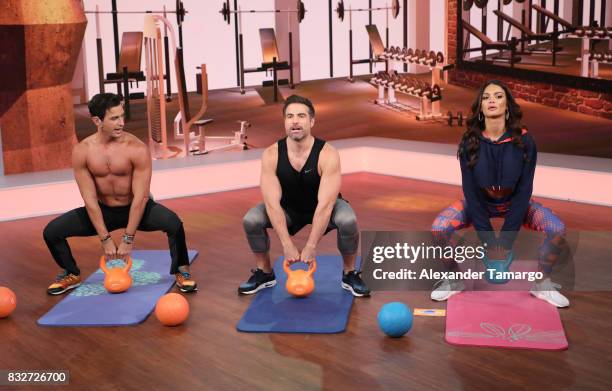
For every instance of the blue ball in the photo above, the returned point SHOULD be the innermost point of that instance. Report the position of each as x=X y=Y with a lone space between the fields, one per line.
x=395 y=319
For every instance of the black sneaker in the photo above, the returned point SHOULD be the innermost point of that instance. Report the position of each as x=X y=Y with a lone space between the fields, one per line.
x=352 y=282
x=258 y=281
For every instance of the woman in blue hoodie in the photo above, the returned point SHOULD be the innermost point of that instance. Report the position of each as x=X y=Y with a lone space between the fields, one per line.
x=498 y=160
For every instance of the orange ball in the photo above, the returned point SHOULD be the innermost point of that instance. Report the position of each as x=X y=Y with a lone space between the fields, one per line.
x=172 y=309
x=8 y=301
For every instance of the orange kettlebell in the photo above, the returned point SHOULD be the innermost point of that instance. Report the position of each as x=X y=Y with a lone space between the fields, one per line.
x=117 y=279
x=300 y=282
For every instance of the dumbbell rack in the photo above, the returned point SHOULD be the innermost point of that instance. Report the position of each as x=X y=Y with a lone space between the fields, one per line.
x=423 y=92
x=585 y=50
x=430 y=105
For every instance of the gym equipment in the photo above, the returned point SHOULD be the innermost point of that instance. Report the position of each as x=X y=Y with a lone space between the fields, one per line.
x=172 y=309
x=156 y=105
x=8 y=301
x=275 y=65
x=117 y=279
x=270 y=59
x=179 y=11
x=428 y=95
x=467 y=4
x=300 y=282
x=128 y=67
x=527 y=35
x=390 y=81
x=567 y=26
x=488 y=44
x=506 y=319
x=341 y=10
x=395 y=319
x=481 y=3
x=133 y=67
x=422 y=57
x=324 y=311
x=375 y=79
x=596 y=56
x=592 y=32
x=377 y=48
x=436 y=92
x=450 y=118
x=91 y=305
x=184 y=122
x=300 y=10
x=589 y=60
x=499 y=266
x=199 y=144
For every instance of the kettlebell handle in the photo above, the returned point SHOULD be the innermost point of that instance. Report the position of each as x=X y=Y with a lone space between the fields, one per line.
x=128 y=264
x=286 y=266
x=127 y=267
x=103 y=264
x=507 y=262
x=311 y=269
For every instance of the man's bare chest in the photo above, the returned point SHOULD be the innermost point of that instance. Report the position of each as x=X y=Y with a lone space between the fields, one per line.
x=102 y=163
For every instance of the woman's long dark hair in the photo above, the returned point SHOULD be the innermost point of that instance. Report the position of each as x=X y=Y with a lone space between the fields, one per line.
x=470 y=142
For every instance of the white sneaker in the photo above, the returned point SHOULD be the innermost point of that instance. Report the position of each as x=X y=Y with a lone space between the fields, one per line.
x=446 y=288
x=547 y=290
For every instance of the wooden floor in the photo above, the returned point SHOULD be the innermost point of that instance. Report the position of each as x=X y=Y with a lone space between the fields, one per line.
x=345 y=110
x=208 y=353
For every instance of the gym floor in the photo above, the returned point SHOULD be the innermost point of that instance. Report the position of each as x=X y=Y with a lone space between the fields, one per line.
x=346 y=110
x=207 y=351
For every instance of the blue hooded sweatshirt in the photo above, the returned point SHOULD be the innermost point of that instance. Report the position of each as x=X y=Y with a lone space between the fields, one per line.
x=500 y=165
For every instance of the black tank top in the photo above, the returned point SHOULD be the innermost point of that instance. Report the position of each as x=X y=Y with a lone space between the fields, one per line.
x=300 y=189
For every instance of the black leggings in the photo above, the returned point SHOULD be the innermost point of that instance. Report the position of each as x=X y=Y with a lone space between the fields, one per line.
x=156 y=217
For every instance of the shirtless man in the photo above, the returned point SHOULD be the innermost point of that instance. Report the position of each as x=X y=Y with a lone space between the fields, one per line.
x=300 y=184
x=113 y=171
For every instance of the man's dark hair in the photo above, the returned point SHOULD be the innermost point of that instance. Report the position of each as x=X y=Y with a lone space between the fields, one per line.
x=302 y=100
x=101 y=103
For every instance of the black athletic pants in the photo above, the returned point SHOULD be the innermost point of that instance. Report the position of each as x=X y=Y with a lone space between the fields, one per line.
x=76 y=222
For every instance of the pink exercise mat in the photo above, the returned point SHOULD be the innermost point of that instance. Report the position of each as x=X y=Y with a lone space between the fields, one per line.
x=503 y=319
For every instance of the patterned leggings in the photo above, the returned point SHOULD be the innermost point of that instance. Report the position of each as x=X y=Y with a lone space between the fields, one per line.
x=538 y=218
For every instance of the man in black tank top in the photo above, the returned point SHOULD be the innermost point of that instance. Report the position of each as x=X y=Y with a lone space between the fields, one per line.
x=300 y=184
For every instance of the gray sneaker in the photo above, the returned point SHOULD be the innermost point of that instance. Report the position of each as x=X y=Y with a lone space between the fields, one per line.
x=443 y=289
x=547 y=290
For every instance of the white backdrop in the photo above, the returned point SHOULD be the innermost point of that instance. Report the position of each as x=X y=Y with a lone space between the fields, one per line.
x=208 y=39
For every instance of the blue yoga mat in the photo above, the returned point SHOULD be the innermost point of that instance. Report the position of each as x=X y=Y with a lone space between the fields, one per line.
x=91 y=305
x=325 y=311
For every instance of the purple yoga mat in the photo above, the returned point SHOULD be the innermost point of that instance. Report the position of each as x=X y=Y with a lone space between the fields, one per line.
x=91 y=305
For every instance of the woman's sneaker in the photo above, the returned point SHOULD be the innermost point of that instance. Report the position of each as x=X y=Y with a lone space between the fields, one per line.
x=258 y=281
x=64 y=282
x=446 y=288
x=547 y=290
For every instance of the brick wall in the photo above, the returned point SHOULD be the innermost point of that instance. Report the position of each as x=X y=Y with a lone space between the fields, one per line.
x=586 y=102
